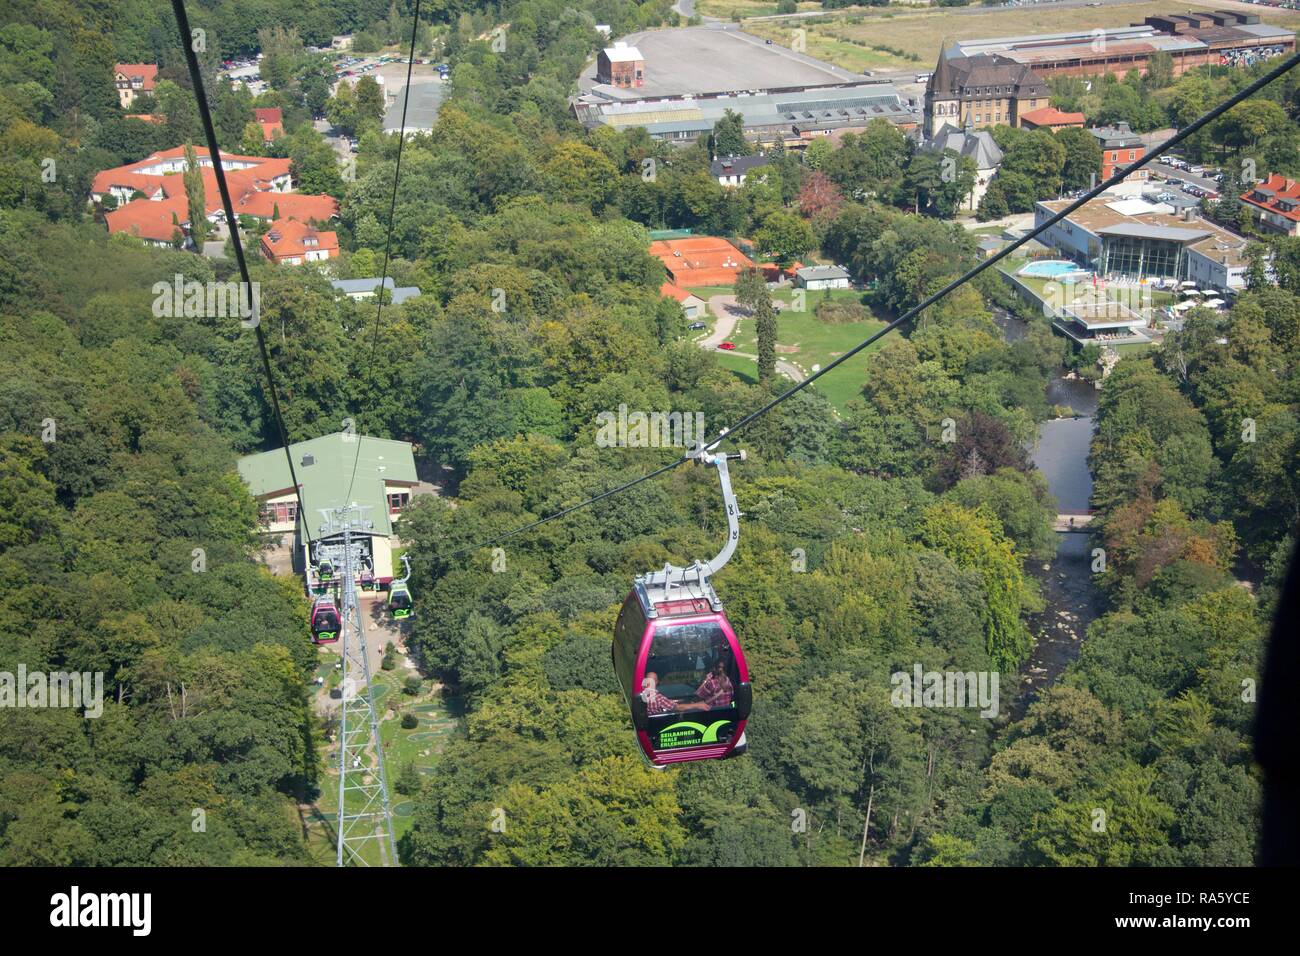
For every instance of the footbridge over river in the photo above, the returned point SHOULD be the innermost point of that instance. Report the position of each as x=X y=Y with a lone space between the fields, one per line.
x=1068 y=521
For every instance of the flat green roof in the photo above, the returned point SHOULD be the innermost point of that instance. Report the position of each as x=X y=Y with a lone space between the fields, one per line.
x=324 y=468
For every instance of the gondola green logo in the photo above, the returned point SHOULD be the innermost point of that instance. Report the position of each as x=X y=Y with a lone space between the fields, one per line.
x=687 y=733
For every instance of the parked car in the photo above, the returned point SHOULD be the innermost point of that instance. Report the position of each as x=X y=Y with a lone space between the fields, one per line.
x=727 y=346
x=696 y=326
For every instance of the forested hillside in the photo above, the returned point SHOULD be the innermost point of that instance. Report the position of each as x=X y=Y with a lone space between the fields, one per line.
x=870 y=544
x=115 y=487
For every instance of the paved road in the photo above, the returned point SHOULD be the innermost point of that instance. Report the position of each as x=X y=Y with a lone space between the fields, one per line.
x=1018 y=220
x=335 y=138
x=728 y=314
x=726 y=311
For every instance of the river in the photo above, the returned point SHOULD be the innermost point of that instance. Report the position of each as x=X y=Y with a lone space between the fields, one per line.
x=1071 y=601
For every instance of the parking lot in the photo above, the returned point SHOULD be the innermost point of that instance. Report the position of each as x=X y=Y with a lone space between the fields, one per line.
x=427 y=93
x=247 y=70
x=1189 y=179
x=244 y=70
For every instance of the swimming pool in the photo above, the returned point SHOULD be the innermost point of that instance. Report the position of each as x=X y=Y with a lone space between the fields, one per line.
x=1051 y=269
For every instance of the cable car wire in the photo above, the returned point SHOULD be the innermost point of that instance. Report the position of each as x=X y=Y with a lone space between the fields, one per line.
x=214 y=152
x=1192 y=128
x=388 y=240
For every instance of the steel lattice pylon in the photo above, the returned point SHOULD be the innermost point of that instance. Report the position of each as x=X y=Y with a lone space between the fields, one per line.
x=365 y=811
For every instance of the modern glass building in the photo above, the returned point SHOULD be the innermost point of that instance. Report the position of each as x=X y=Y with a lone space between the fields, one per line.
x=1144 y=251
x=1140 y=240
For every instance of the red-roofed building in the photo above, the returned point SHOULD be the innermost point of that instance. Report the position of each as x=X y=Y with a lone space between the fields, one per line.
x=152 y=202
x=1049 y=117
x=271 y=120
x=1120 y=148
x=290 y=242
x=154 y=221
x=700 y=260
x=265 y=204
x=1275 y=201
x=132 y=79
x=692 y=305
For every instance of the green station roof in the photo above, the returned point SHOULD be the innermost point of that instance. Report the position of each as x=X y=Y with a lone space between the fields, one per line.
x=324 y=468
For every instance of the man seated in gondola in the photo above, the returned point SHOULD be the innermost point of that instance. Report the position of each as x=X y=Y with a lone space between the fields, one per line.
x=716 y=691
x=658 y=703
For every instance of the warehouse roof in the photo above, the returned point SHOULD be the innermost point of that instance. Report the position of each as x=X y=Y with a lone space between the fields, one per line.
x=824 y=107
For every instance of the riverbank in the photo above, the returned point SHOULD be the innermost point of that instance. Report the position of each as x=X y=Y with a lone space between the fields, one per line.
x=1071 y=601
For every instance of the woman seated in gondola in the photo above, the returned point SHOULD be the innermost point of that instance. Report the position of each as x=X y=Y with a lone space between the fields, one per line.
x=716 y=691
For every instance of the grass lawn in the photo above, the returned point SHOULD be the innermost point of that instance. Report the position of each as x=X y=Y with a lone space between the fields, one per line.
x=1127 y=347
x=807 y=343
x=767 y=8
x=746 y=8
x=439 y=721
x=743 y=368
x=706 y=292
x=894 y=38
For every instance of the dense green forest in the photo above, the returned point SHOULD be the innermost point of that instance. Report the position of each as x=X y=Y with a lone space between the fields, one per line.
x=870 y=544
x=1196 y=458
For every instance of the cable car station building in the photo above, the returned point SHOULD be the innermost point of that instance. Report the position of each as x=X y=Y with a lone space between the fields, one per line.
x=385 y=478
